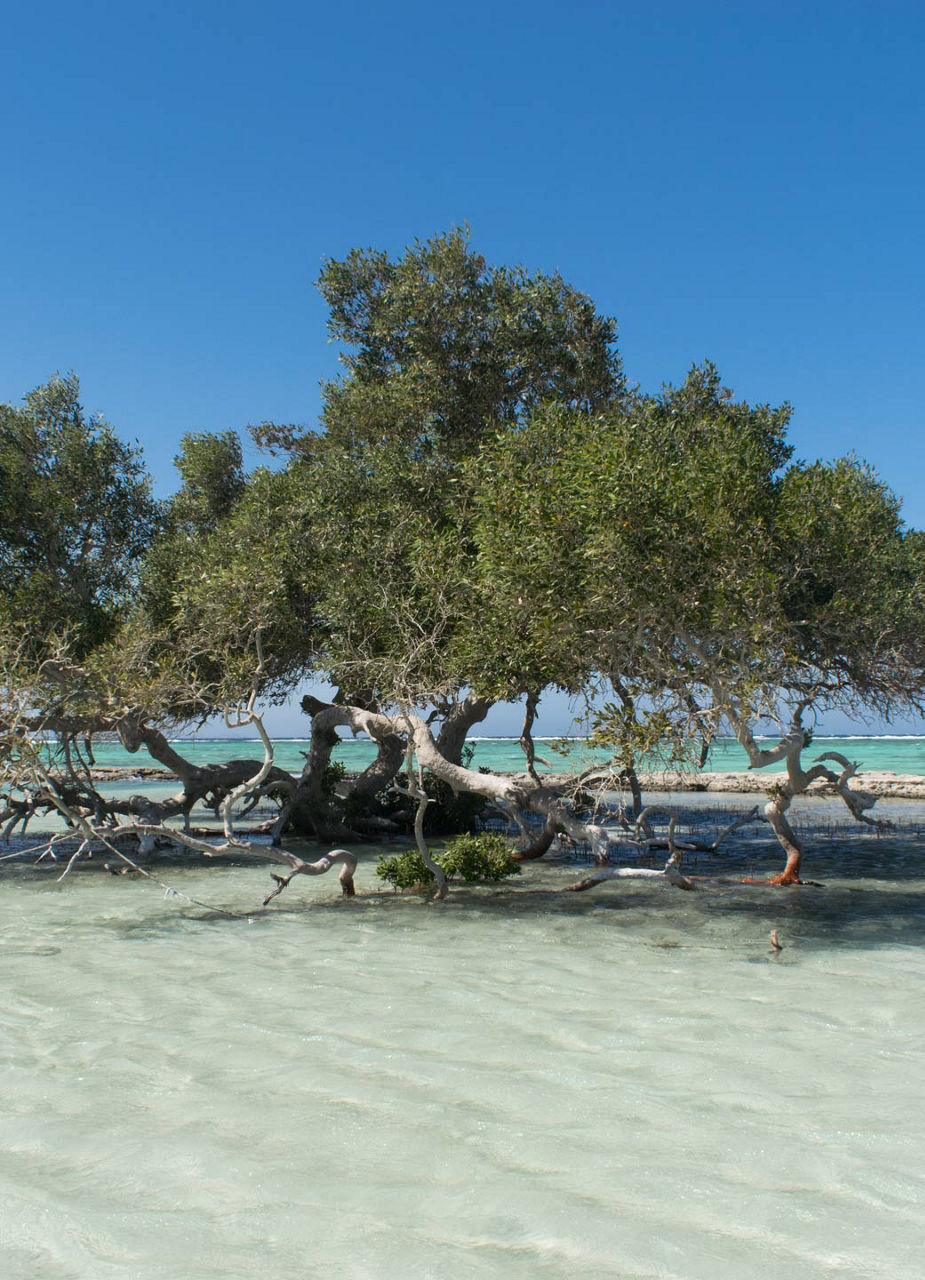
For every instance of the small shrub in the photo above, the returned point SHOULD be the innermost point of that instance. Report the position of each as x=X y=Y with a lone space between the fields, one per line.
x=404 y=870
x=470 y=858
x=483 y=857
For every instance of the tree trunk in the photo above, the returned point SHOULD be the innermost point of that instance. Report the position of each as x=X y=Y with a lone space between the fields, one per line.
x=460 y=718
x=775 y=812
x=377 y=776
x=313 y=809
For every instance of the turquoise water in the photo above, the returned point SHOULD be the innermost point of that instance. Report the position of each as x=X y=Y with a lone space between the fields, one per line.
x=900 y=754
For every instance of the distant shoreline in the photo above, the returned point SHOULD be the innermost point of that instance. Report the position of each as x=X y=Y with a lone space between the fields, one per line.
x=882 y=783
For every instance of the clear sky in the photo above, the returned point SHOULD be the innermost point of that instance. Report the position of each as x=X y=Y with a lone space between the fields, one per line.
x=736 y=181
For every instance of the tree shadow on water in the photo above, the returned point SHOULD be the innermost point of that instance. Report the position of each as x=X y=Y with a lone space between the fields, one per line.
x=871 y=893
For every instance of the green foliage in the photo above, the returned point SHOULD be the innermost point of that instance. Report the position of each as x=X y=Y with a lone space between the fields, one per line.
x=472 y=858
x=479 y=857
x=851 y=573
x=598 y=540
x=207 y=592
x=440 y=350
x=440 y=347
x=642 y=738
x=671 y=547
x=76 y=517
x=487 y=508
x=211 y=467
x=404 y=870
x=212 y=482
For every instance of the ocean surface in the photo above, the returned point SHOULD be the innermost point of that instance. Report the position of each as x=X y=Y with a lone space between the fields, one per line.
x=516 y=1084
x=899 y=754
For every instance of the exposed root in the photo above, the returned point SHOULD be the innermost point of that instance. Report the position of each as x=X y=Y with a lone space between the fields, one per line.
x=619 y=873
x=784 y=880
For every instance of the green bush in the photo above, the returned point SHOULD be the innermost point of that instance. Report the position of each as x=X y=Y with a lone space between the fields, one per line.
x=404 y=870
x=484 y=857
x=470 y=858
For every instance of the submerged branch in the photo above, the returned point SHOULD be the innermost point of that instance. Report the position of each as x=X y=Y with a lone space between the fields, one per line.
x=318 y=868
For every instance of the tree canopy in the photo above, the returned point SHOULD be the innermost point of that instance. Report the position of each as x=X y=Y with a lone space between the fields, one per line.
x=440 y=348
x=486 y=512
x=76 y=517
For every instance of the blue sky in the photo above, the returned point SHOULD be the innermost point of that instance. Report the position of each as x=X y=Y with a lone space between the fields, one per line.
x=742 y=182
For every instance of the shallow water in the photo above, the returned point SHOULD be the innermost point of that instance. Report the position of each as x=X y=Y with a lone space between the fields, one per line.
x=514 y=1083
